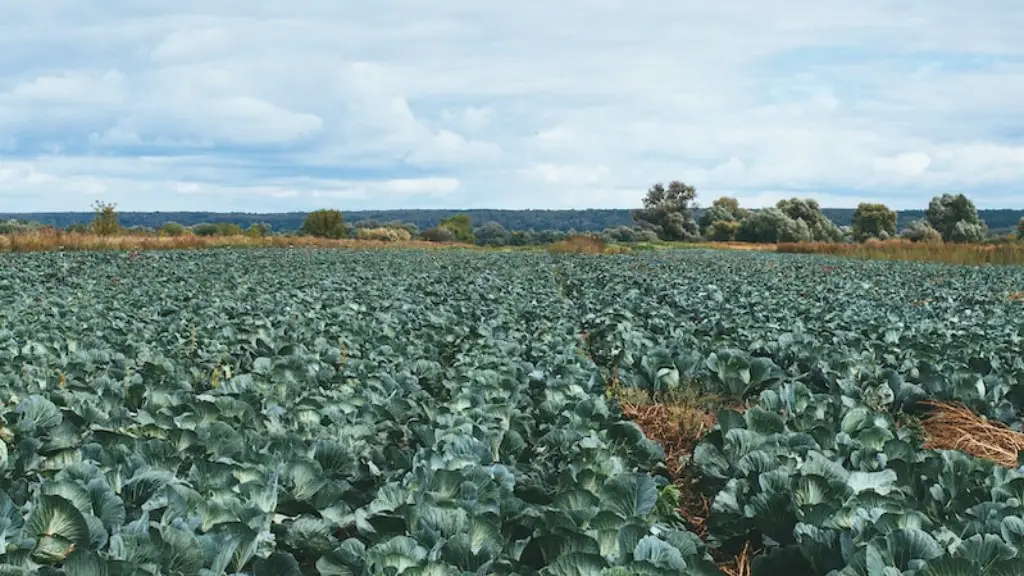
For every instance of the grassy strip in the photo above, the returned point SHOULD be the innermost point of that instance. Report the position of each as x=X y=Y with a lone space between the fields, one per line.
x=60 y=241
x=1010 y=253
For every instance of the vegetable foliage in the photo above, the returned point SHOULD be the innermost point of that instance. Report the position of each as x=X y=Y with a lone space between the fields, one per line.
x=277 y=412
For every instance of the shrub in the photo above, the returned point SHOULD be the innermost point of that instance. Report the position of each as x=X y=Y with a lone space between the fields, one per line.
x=217 y=229
x=258 y=230
x=325 y=223
x=172 y=229
x=18 y=227
x=383 y=234
x=438 y=235
x=921 y=231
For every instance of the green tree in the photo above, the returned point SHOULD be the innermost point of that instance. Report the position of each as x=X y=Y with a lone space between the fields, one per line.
x=667 y=211
x=105 y=222
x=956 y=218
x=772 y=225
x=1020 y=229
x=325 y=223
x=491 y=234
x=721 y=221
x=819 y=227
x=172 y=229
x=461 y=227
x=258 y=230
x=873 y=221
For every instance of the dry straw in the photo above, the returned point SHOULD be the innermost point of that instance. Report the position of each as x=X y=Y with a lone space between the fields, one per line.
x=953 y=426
x=678 y=428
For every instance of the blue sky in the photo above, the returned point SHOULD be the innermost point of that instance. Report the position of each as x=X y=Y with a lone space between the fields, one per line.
x=280 y=106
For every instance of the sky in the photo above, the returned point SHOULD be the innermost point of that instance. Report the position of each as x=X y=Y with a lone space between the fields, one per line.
x=268 y=106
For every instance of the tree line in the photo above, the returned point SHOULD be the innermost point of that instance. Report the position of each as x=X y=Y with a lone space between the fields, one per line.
x=668 y=213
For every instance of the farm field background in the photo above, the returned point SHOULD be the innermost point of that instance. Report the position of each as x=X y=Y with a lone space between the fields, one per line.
x=299 y=411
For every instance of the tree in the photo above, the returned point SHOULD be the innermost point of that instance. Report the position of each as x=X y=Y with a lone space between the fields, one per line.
x=873 y=221
x=258 y=230
x=437 y=235
x=667 y=211
x=325 y=223
x=105 y=222
x=461 y=227
x=172 y=229
x=491 y=234
x=820 y=228
x=1020 y=229
x=721 y=221
x=955 y=218
x=921 y=231
x=772 y=225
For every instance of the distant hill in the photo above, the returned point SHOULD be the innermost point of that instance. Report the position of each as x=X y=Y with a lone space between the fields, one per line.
x=999 y=221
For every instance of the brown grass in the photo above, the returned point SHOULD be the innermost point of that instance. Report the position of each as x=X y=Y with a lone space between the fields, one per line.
x=46 y=241
x=584 y=244
x=677 y=425
x=1008 y=253
x=953 y=426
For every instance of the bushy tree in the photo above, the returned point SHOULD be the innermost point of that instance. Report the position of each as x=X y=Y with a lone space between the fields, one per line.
x=967 y=232
x=1020 y=229
x=172 y=229
x=325 y=223
x=628 y=235
x=667 y=211
x=411 y=228
x=721 y=221
x=438 y=234
x=105 y=222
x=722 y=230
x=873 y=221
x=16 y=226
x=217 y=229
x=461 y=227
x=921 y=231
x=819 y=227
x=772 y=225
x=956 y=218
x=491 y=234
x=258 y=230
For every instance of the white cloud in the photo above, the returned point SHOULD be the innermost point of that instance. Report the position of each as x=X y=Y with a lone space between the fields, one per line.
x=569 y=175
x=572 y=104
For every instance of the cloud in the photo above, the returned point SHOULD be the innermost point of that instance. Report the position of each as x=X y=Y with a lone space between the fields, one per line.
x=285 y=106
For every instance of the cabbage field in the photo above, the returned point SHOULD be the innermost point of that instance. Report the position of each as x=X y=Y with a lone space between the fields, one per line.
x=277 y=412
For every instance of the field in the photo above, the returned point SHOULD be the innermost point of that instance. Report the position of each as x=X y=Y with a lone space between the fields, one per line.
x=276 y=411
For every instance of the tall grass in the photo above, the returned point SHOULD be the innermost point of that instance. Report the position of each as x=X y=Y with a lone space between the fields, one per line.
x=50 y=240
x=1007 y=253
